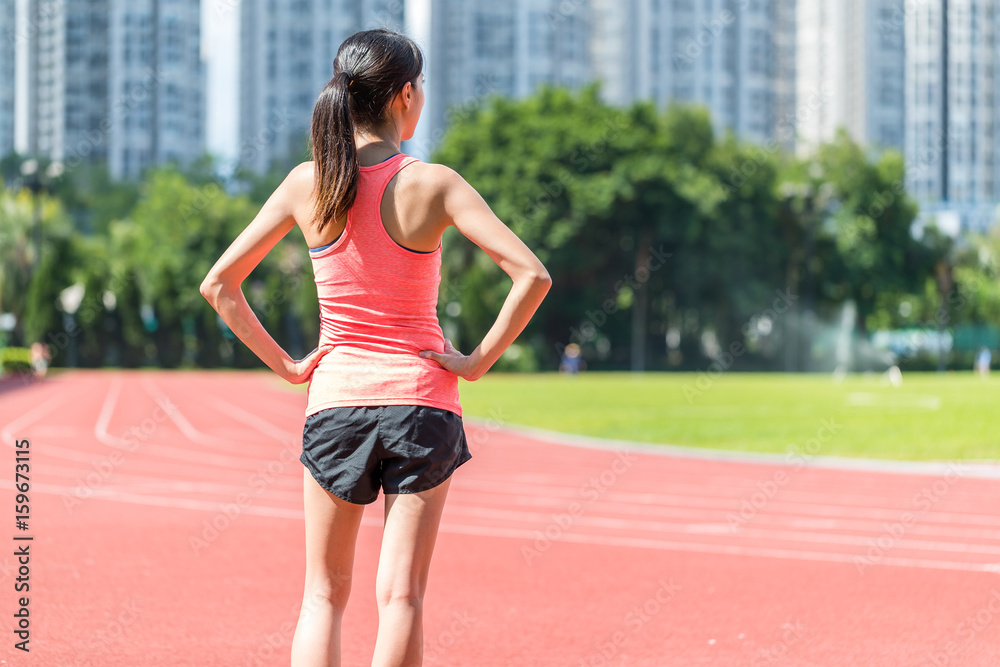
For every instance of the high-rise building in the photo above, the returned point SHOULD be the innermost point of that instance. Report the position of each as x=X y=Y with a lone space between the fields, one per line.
x=69 y=83
x=786 y=99
x=472 y=48
x=477 y=48
x=8 y=42
x=114 y=81
x=717 y=53
x=850 y=72
x=953 y=101
x=287 y=53
x=155 y=85
x=614 y=55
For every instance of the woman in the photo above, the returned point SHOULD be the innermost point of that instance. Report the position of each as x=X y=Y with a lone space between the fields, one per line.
x=383 y=409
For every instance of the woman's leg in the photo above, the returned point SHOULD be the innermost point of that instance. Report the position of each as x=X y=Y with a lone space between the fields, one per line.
x=331 y=532
x=411 y=526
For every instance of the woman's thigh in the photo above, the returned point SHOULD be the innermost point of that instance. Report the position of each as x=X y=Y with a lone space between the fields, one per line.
x=332 y=526
x=409 y=534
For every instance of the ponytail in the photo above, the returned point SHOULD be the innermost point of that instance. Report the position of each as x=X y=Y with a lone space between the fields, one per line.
x=334 y=151
x=371 y=67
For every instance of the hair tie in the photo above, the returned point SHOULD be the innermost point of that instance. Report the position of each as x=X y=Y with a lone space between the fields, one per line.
x=350 y=78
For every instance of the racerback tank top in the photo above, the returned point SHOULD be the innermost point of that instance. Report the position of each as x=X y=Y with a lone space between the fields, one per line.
x=378 y=307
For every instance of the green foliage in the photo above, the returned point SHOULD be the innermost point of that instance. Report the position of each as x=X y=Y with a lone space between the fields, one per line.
x=652 y=226
x=977 y=276
x=595 y=189
x=94 y=198
x=15 y=360
x=144 y=256
x=517 y=358
x=966 y=305
x=31 y=272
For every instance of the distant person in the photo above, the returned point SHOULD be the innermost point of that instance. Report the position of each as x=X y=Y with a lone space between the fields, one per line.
x=895 y=376
x=383 y=408
x=40 y=358
x=572 y=361
x=983 y=361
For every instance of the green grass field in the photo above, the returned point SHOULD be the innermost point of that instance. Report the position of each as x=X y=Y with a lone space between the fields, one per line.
x=930 y=416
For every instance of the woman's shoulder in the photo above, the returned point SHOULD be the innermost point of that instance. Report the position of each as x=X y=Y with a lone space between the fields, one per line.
x=303 y=172
x=299 y=187
x=433 y=177
x=300 y=179
x=430 y=177
x=433 y=169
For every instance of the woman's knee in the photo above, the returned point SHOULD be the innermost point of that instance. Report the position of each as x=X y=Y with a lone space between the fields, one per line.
x=327 y=590
x=408 y=595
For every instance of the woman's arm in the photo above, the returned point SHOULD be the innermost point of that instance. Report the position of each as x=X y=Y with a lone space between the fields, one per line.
x=463 y=207
x=223 y=284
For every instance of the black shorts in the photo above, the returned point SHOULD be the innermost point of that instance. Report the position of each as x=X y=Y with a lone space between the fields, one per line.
x=353 y=451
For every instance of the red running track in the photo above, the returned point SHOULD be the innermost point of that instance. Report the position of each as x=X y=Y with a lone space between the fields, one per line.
x=175 y=537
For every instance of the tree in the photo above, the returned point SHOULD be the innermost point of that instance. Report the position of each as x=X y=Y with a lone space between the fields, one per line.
x=25 y=291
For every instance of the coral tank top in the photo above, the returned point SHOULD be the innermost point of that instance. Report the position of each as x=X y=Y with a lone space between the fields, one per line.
x=378 y=307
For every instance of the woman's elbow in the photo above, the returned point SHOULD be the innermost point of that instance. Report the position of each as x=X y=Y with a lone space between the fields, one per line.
x=541 y=278
x=210 y=288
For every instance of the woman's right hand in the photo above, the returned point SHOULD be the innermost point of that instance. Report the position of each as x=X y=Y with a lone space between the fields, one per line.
x=299 y=372
x=453 y=360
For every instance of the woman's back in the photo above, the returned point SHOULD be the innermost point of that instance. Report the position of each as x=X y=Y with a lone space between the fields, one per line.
x=383 y=368
x=378 y=308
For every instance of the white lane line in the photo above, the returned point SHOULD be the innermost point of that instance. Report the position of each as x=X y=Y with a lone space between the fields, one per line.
x=686 y=515
x=188 y=429
x=278 y=406
x=175 y=415
x=11 y=430
x=597 y=514
x=115 y=495
x=743 y=490
x=177 y=468
x=228 y=462
x=112 y=495
x=989 y=470
x=448 y=527
x=104 y=417
x=265 y=427
x=151 y=451
x=775 y=505
x=660 y=475
x=742 y=487
x=543 y=520
x=229 y=496
x=140 y=483
x=235 y=448
x=723 y=549
x=233 y=433
x=611 y=512
x=165 y=451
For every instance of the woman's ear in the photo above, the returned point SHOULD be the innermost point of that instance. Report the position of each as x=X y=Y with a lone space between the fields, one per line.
x=406 y=95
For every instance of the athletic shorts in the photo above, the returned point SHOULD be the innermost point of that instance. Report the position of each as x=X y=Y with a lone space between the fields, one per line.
x=353 y=451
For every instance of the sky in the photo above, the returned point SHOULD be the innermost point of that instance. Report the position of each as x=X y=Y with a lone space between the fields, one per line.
x=220 y=48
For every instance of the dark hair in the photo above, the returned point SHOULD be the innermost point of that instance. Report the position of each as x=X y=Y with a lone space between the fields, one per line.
x=371 y=67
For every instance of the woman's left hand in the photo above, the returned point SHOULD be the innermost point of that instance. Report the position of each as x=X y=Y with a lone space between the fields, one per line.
x=300 y=371
x=453 y=360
